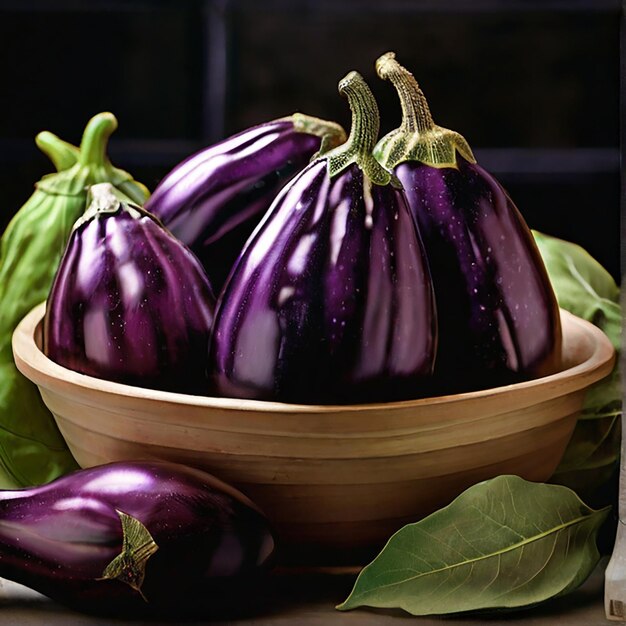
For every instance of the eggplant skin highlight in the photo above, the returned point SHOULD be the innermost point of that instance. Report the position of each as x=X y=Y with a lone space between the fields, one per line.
x=134 y=536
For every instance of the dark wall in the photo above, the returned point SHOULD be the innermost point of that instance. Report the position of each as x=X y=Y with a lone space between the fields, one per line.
x=533 y=86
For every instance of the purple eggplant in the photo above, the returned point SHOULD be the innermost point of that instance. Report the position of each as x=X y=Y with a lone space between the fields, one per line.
x=132 y=536
x=214 y=199
x=129 y=303
x=498 y=316
x=331 y=299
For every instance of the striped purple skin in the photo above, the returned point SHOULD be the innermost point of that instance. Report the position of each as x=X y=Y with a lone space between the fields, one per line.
x=498 y=316
x=59 y=538
x=330 y=301
x=130 y=304
x=214 y=199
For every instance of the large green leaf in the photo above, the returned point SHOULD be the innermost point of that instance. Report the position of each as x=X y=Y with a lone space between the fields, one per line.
x=32 y=450
x=502 y=543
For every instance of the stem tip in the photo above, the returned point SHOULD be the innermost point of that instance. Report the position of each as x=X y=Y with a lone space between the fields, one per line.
x=349 y=81
x=64 y=155
x=95 y=138
x=385 y=63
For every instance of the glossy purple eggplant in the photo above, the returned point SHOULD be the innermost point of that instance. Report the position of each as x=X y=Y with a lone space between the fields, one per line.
x=129 y=303
x=498 y=316
x=132 y=536
x=214 y=199
x=331 y=299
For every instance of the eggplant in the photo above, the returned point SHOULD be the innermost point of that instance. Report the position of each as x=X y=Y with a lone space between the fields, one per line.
x=331 y=300
x=498 y=316
x=213 y=200
x=132 y=536
x=129 y=303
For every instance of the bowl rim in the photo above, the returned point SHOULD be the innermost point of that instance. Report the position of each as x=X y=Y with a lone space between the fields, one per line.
x=36 y=366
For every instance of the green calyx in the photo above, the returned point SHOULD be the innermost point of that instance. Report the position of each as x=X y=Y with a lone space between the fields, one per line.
x=363 y=134
x=331 y=133
x=138 y=546
x=106 y=199
x=89 y=165
x=417 y=138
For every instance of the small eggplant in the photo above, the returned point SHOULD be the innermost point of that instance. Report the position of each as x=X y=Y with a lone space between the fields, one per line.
x=498 y=316
x=331 y=299
x=214 y=199
x=129 y=303
x=132 y=536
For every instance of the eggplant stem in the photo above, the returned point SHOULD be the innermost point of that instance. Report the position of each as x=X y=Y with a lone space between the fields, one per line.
x=62 y=154
x=416 y=116
x=331 y=133
x=363 y=133
x=417 y=138
x=95 y=138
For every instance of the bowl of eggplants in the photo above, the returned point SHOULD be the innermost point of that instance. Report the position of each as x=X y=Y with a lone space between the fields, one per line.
x=349 y=331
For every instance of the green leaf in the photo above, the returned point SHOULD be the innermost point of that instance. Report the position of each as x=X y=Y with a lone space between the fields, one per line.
x=582 y=286
x=604 y=398
x=593 y=444
x=591 y=456
x=502 y=543
x=586 y=289
x=32 y=450
x=587 y=482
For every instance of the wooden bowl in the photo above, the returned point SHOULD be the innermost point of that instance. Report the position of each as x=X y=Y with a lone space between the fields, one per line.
x=331 y=478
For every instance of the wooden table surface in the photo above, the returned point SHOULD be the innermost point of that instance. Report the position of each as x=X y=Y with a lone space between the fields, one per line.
x=308 y=599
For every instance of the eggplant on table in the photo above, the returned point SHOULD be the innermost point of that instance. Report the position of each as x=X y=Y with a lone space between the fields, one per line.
x=213 y=200
x=331 y=299
x=129 y=303
x=133 y=536
x=498 y=315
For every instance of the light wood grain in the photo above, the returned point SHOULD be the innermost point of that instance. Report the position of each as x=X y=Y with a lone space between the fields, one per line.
x=335 y=477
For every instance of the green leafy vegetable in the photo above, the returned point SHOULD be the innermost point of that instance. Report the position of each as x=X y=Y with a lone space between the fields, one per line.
x=32 y=450
x=586 y=289
x=502 y=543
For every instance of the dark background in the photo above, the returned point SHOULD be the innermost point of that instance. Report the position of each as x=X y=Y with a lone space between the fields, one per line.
x=533 y=85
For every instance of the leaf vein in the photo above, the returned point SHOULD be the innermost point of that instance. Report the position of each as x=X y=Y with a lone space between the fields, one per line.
x=505 y=550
